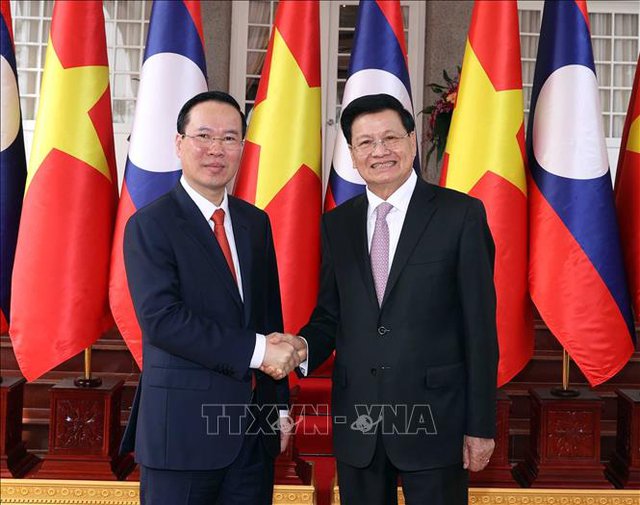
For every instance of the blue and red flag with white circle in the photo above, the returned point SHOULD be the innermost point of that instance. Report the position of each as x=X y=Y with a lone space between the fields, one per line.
x=576 y=271
x=13 y=164
x=173 y=70
x=378 y=64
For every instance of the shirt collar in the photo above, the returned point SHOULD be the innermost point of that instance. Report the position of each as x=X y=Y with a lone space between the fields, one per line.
x=206 y=207
x=399 y=199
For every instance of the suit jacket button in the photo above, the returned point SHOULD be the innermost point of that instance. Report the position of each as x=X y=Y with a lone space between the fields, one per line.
x=374 y=371
x=382 y=331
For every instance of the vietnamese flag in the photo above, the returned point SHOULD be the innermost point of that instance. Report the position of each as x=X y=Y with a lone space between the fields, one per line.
x=281 y=164
x=59 y=300
x=485 y=157
x=627 y=194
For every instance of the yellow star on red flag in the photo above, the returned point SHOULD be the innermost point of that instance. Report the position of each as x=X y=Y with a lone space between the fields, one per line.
x=289 y=136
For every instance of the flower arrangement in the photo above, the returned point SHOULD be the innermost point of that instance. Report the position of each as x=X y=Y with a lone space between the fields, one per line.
x=440 y=114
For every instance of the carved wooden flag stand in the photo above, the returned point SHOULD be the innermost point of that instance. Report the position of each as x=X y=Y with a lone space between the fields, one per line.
x=15 y=461
x=84 y=430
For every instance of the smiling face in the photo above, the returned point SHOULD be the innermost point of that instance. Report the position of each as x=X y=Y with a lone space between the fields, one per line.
x=383 y=169
x=208 y=169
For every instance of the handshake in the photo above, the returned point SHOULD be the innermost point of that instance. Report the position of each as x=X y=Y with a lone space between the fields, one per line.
x=284 y=352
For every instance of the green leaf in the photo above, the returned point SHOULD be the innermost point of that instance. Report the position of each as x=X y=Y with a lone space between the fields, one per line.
x=440 y=152
x=430 y=152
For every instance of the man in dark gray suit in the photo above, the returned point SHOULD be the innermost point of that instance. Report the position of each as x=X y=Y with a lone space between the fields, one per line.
x=407 y=302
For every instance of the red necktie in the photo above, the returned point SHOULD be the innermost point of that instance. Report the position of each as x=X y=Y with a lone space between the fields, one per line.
x=221 y=235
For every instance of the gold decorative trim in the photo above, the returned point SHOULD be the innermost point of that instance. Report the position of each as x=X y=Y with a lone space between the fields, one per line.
x=294 y=495
x=97 y=492
x=492 y=496
x=78 y=492
x=68 y=492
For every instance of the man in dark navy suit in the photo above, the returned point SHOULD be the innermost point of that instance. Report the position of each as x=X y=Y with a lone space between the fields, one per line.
x=202 y=272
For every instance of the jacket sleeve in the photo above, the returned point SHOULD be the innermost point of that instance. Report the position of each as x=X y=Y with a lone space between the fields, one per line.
x=166 y=321
x=478 y=299
x=320 y=331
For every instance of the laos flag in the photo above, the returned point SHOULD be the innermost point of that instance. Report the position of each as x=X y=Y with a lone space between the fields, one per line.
x=13 y=164
x=576 y=272
x=173 y=71
x=378 y=64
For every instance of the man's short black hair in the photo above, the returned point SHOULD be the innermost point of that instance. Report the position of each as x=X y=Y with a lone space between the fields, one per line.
x=374 y=103
x=208 y=96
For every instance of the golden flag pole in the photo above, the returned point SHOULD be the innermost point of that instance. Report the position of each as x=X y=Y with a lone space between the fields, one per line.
x=87 y=381
x=565 y=391
x=566 y=360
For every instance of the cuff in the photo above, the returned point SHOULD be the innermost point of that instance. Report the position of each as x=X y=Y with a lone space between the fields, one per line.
x=304 y=366
x=258 y=351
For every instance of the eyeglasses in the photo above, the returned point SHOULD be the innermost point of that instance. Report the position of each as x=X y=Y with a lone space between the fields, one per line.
x=389 y=142
x=204 y=141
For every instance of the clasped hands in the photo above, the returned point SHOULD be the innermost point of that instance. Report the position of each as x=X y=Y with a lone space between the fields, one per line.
x=283 y=353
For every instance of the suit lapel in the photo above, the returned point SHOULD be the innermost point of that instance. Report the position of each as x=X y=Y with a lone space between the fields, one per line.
x=242 y=235
x=196 y=226
x=361 y=245
x=419 y=213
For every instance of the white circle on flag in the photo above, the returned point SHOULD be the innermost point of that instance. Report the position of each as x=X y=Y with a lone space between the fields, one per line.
x=568 y=134
x=370 y=81
x=10 y=125
x=167 y=81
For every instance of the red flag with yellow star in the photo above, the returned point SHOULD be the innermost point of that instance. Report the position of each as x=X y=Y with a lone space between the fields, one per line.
x=59 y=300
x=485 y=157
x=627 y=193
x=281 y=163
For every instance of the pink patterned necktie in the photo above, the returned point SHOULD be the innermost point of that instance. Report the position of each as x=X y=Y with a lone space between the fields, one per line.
x=380 y=250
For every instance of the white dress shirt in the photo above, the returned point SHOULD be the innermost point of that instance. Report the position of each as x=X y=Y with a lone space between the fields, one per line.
x=395 y=218
x=208 y=208
x=400 y=199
